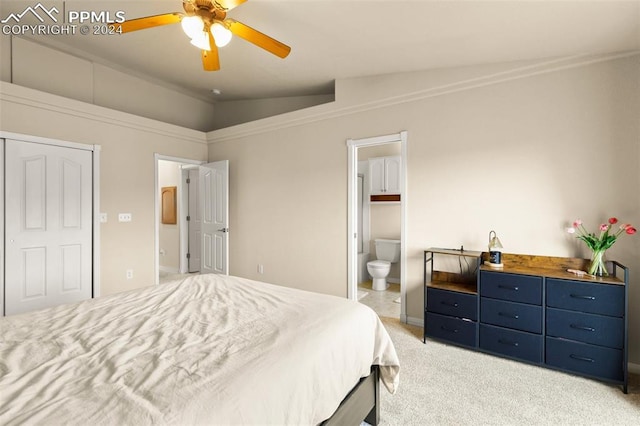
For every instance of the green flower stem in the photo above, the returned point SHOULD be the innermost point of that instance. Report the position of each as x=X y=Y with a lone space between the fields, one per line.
x=597 y=266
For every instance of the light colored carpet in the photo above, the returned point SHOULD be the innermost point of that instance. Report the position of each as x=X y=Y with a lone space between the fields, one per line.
x=446 y=385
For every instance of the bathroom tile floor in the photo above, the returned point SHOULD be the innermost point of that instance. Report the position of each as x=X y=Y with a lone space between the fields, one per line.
x=384 y=303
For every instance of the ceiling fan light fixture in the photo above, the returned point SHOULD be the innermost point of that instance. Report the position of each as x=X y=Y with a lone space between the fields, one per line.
x=201 y=41
x=193 y=26
x=221 y=34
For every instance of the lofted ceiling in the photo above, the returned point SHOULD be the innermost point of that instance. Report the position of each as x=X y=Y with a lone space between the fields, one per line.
x=335 y=39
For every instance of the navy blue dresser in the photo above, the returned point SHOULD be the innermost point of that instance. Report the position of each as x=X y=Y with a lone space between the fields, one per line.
x=533 y=310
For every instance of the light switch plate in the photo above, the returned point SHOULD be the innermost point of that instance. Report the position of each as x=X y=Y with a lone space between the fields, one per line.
x=124 y=217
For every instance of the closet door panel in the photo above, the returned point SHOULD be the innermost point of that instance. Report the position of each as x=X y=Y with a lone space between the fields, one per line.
x=48 y=226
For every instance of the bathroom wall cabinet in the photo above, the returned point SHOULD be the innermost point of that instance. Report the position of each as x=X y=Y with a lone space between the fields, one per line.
x=533 y=310
x=384 y=175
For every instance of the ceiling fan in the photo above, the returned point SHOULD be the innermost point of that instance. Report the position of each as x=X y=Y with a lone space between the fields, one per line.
x=206 y=23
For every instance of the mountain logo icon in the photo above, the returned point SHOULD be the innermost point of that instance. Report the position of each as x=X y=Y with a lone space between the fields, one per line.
x=16 y=17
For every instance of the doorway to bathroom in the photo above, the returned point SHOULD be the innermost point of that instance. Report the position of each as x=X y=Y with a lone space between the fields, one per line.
x=376 y=211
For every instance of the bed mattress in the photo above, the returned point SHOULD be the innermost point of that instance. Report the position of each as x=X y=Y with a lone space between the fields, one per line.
x=209 y=349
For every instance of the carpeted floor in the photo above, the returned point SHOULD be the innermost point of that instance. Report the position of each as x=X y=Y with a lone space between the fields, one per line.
x=447 y=385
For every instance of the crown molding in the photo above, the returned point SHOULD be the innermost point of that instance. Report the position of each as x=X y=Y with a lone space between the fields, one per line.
x=335 y=109
x=21 y=95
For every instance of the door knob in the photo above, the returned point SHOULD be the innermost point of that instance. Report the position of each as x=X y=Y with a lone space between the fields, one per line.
x=223 y=230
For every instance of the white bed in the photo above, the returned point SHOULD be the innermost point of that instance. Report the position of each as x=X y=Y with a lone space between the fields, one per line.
x=210 y=349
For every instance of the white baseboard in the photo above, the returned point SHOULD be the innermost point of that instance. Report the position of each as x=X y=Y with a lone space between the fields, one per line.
x=418 y=322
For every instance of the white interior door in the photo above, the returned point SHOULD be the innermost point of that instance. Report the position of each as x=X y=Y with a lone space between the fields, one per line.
x=195 y=221
x=48 y=226
x=214 y=194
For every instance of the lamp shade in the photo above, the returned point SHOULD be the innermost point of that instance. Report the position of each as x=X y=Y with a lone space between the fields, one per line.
x=192 y=26
x=201 y=41
x=494 y=242
x=221 y=35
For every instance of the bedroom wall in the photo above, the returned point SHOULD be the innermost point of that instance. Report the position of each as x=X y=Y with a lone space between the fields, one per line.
x=127 y=178
x=523 y=151
x=230 y=113
x=101 y=85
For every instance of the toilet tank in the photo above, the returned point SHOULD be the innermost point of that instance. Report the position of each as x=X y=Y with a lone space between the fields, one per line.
x=388 y=250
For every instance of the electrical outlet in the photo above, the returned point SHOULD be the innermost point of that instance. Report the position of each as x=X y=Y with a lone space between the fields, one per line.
x=124 y=217
x=260 y=268
x=129 y=274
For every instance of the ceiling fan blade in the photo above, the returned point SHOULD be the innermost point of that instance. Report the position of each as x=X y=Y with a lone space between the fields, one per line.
x=259 y=39
x=210 y=58
x=149 y=22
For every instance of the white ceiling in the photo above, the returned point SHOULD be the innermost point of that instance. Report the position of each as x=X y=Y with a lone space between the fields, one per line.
x=333 y=39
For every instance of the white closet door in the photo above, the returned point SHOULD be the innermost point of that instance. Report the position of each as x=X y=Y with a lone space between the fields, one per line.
x=48 y=258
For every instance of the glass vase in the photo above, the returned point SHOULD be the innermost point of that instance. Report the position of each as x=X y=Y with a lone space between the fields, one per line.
x=597 y=266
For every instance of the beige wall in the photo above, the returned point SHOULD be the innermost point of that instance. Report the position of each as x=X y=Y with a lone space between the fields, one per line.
x=231 y=113
x=128 y=144
x=21 y=63
x=523 y=151
x=169 y=234
x=81 y=79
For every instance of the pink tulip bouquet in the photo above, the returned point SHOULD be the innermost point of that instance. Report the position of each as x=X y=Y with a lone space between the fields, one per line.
x=599 y=243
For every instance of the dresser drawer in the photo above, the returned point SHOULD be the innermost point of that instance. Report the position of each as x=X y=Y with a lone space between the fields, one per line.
x=518 y=316
x=512 y=287
x=462 y=332
x=589 y=328
x=585 y=359
x=451 y=303
x=605 y=299
x=516 y=344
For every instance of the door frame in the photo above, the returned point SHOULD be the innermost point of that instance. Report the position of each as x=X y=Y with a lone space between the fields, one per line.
x=156 y=200
x=183 y=189
x=95 y=173
x=352 y=213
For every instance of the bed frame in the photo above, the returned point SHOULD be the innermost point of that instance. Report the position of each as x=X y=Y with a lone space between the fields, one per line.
x=362 y=403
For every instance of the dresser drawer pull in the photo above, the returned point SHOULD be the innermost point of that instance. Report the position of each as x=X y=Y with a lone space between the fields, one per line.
x=509 y=287
x=452 y=304
x=503 y=314
x=580 y=296
x=582 y=327
x=581 y=358
x=508 y=342
x=450 y=330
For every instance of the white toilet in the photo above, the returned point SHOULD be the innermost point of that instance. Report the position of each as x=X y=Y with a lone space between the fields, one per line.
x=387 y=252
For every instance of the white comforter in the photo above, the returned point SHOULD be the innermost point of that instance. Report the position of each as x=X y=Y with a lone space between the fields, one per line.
x=206 y=350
